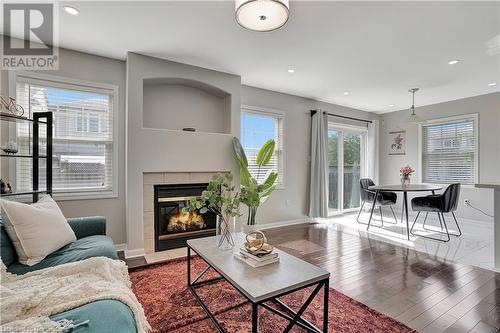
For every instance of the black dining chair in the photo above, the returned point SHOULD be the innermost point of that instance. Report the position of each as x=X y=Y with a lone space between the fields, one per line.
x=447 y=202
x=384 y=199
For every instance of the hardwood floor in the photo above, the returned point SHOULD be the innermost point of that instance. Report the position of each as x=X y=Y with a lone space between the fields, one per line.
x=422 y=291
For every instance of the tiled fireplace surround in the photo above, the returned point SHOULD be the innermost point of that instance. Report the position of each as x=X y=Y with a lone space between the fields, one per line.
x=160 y=178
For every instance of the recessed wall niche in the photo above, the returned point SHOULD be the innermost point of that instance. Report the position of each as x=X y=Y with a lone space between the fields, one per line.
x=174 y=104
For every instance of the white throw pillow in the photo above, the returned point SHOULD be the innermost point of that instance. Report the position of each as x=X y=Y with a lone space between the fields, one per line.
x=36 y=230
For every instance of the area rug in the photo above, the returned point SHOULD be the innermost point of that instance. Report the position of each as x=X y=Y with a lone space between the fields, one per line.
x=170 y=306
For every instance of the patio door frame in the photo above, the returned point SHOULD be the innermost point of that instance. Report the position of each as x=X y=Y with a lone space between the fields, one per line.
x=341 y=128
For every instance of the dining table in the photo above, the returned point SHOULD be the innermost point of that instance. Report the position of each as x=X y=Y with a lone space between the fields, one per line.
x=404 y=189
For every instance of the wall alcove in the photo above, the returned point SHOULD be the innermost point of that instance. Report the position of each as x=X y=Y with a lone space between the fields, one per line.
x=174 y=104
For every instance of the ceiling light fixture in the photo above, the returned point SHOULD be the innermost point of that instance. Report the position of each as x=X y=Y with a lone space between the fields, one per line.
x=291 y=70
x=262 y=15
x=413 y=118
x=391 y=105
x=346 y=93
x=492 y=84
x=453 y=62
x=71 y=10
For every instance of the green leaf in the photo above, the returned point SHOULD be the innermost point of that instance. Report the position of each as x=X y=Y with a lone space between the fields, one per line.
x=245 y=177
x=270 y=180
x=239 y=153
x=265 y=153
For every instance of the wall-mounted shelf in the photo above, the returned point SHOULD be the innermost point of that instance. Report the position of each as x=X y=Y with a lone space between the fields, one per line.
x=36 y=121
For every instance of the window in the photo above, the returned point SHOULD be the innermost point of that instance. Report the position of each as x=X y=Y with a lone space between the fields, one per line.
x=83 y=135
x=256 y=128
x=449 y=151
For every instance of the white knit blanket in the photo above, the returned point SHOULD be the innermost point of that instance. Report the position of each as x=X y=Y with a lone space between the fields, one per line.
x=27 y=300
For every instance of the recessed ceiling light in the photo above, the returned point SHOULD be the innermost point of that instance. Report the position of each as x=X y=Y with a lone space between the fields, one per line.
x=391 y=105
x=453 y=62
x=346 y=93
x=492 y=84
x=291 y=70
x=71 y=10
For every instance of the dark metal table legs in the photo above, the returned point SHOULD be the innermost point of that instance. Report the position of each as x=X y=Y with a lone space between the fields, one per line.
x=294 y=318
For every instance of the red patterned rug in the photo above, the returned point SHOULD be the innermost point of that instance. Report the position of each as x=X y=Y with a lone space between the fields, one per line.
x=170 y=306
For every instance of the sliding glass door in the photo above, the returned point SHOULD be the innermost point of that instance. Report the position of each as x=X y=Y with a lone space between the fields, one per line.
x=346 y=162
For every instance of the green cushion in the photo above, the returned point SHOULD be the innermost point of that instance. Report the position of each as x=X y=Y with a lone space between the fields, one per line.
x=83 y=248
x=7 y=251
x=106 y=316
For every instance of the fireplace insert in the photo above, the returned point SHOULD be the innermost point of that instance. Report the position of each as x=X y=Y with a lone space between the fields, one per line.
x=173 y=225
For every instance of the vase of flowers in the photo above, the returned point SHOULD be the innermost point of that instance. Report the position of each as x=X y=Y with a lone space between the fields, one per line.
x=221 y=199
x=405 y=173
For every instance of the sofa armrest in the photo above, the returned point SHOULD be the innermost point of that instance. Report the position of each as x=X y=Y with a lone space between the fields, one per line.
x=88 y=226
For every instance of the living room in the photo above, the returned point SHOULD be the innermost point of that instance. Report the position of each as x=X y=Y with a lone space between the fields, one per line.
x=156 y=153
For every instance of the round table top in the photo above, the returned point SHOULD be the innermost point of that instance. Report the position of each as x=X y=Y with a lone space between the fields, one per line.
x=406 y=188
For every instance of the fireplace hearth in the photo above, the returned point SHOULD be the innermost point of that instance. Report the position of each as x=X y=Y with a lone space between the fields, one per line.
x=174 y=226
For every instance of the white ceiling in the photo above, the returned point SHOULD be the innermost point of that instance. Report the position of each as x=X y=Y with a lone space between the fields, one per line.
x=374 y=50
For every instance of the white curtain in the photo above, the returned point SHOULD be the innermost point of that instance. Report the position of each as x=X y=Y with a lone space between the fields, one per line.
x=373 y=151
x=318 y=196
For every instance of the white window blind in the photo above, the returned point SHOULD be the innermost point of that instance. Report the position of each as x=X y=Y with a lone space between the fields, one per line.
x=82 y=135
x=256 y=129
x=449 y=152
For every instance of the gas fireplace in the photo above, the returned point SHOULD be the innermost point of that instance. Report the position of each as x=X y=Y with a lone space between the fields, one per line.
x=174 y=226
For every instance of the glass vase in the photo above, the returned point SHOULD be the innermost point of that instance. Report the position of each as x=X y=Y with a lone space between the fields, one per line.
x=225 y=227
x=405 y=180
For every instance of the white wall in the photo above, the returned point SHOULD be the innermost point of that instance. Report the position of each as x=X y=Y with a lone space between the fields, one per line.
x=292 y=202
x=163 y=150
x=87 y=67
x=488 y=108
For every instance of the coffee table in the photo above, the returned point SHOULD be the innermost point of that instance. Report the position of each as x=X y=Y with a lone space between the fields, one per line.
x=260 y=286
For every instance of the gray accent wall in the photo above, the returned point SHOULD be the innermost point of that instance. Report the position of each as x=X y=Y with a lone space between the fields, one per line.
x=488 y=108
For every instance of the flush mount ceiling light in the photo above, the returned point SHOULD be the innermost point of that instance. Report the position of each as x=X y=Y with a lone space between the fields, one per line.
x=71 y=10
x=262 y=15
x=413 y=118
x=453 y=62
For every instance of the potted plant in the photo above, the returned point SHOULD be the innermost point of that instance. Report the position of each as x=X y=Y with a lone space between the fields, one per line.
x=220 y=199
x=254 y=193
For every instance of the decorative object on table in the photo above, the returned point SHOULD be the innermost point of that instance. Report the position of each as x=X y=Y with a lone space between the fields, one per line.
x=253 y=193
x=398 y=143
x=255 y=251
x=5 y=188
x=221 y=199
x=405 y=173
x=8 y=105
x=10 y=148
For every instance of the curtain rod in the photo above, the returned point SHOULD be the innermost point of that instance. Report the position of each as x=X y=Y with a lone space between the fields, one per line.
x=313 y=112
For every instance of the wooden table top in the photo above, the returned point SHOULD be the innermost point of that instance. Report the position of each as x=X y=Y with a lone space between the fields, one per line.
x=406 y=188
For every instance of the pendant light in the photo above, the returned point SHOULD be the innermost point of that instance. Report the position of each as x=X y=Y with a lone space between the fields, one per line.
x=413 y=117
x=262 y=15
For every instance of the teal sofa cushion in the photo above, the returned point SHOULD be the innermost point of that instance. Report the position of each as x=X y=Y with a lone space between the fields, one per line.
x=106 y=316
x=83 y=248
x=7 y=251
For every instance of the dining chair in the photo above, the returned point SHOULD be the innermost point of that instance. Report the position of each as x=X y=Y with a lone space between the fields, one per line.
x=447 y=202
x=384 y=199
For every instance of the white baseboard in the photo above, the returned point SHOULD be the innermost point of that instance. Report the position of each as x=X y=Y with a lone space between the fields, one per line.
x=134 y=253
x=121 y=247
x=283 y=223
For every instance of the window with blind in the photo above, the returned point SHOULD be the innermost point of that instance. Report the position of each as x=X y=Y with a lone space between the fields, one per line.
x=256 y=129
x=449 y=151
x=83 y=139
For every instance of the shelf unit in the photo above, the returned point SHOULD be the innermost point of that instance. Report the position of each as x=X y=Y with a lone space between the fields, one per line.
x=39 y=118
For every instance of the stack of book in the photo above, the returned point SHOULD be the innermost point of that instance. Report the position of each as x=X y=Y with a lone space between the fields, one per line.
x=257 y=260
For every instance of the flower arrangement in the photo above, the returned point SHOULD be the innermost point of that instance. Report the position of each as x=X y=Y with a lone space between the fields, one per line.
x=406 y=171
